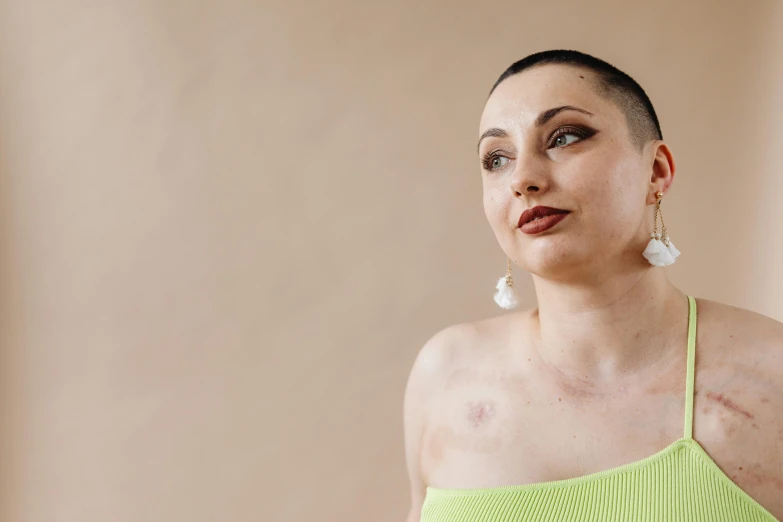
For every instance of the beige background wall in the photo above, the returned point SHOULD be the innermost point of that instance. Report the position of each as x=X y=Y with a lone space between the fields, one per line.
x=228 y=227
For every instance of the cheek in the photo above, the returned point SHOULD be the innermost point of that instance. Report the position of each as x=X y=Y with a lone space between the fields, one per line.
x=622 y=200
x=495 y=208
x=611 y=189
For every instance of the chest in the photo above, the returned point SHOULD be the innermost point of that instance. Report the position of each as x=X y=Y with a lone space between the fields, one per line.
x=496 y=432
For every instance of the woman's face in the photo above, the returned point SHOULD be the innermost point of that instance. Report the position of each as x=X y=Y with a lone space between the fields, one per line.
x=583 y=163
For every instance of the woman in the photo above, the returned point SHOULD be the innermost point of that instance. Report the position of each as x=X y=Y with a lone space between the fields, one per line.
x=606 y=402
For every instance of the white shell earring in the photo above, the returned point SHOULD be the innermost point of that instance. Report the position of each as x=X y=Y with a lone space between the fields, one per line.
x=506 y=297
x=660 y=250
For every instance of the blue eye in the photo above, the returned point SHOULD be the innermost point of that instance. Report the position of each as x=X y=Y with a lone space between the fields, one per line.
x=566 y=139
x=497 y=162
x=494 y=161
x=567 y=135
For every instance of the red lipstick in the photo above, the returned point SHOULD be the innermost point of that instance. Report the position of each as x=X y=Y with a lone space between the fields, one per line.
x=537 y=219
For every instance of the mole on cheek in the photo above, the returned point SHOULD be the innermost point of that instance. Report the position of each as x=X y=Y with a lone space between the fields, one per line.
x=480 y=412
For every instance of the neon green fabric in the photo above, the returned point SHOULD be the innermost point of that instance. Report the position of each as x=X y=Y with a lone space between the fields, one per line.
x=679 y=483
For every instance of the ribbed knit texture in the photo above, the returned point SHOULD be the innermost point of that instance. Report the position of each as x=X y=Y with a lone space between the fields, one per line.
x=679 y=483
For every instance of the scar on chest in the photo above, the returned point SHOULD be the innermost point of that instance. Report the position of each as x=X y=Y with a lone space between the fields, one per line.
x=728 y=403
x=480 y=413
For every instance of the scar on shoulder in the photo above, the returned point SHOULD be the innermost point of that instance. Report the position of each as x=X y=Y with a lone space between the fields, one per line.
x=480 y=412
x=728 y=403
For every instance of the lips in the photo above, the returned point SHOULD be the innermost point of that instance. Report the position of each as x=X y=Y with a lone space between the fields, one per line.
x=538 y=219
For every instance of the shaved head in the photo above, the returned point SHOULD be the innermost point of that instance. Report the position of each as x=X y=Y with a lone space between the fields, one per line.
x=609 y=82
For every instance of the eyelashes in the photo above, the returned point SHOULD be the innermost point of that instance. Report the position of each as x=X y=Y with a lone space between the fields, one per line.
x=554 y=141
x=490 y=157
x=581 y=132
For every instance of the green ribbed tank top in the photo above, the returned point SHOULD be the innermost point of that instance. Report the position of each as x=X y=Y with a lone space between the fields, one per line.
x=679 y=483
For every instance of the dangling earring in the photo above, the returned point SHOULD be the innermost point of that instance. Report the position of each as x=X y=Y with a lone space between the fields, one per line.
x=505 y=296
x=660 y=250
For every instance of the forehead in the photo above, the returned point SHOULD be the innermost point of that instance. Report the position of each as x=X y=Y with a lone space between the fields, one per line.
x=517 y=101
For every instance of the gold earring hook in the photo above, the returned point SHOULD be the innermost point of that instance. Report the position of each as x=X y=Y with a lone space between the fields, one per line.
x=509 y=279
x=659 y=213
x=658 y=198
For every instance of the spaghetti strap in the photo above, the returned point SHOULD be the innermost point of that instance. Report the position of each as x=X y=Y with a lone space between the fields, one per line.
x=689 y=381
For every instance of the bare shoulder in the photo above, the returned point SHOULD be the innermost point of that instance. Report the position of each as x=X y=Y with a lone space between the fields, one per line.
x=450 y=349
x=447 y=351
x=742 y=335
x=454 y=343
x=442 y=351
x=739 y=361
x=739 y=397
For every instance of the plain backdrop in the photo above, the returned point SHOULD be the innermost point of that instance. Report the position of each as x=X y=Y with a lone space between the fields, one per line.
x=228 y=227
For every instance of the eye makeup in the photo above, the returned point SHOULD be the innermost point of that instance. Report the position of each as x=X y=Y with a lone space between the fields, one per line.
x=582 y=132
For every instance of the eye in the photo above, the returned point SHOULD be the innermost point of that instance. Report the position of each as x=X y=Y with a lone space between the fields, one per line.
x=494 y=161
x=497 y=162
x=566 y=139
x=565 y=136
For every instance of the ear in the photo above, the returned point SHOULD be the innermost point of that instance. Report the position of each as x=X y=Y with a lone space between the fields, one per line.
x=662 y=171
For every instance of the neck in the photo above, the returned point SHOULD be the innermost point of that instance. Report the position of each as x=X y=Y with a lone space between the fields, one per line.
x=610 y=331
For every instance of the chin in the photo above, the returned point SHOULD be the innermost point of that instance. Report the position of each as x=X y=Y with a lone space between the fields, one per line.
x=551 y=260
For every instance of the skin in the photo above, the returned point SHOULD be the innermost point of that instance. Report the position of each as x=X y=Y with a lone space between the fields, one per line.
x=594 y=377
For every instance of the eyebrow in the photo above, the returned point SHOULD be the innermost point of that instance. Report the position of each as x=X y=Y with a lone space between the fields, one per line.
x=542 y=118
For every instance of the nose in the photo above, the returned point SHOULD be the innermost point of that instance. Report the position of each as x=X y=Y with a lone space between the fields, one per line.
x=529 y=177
